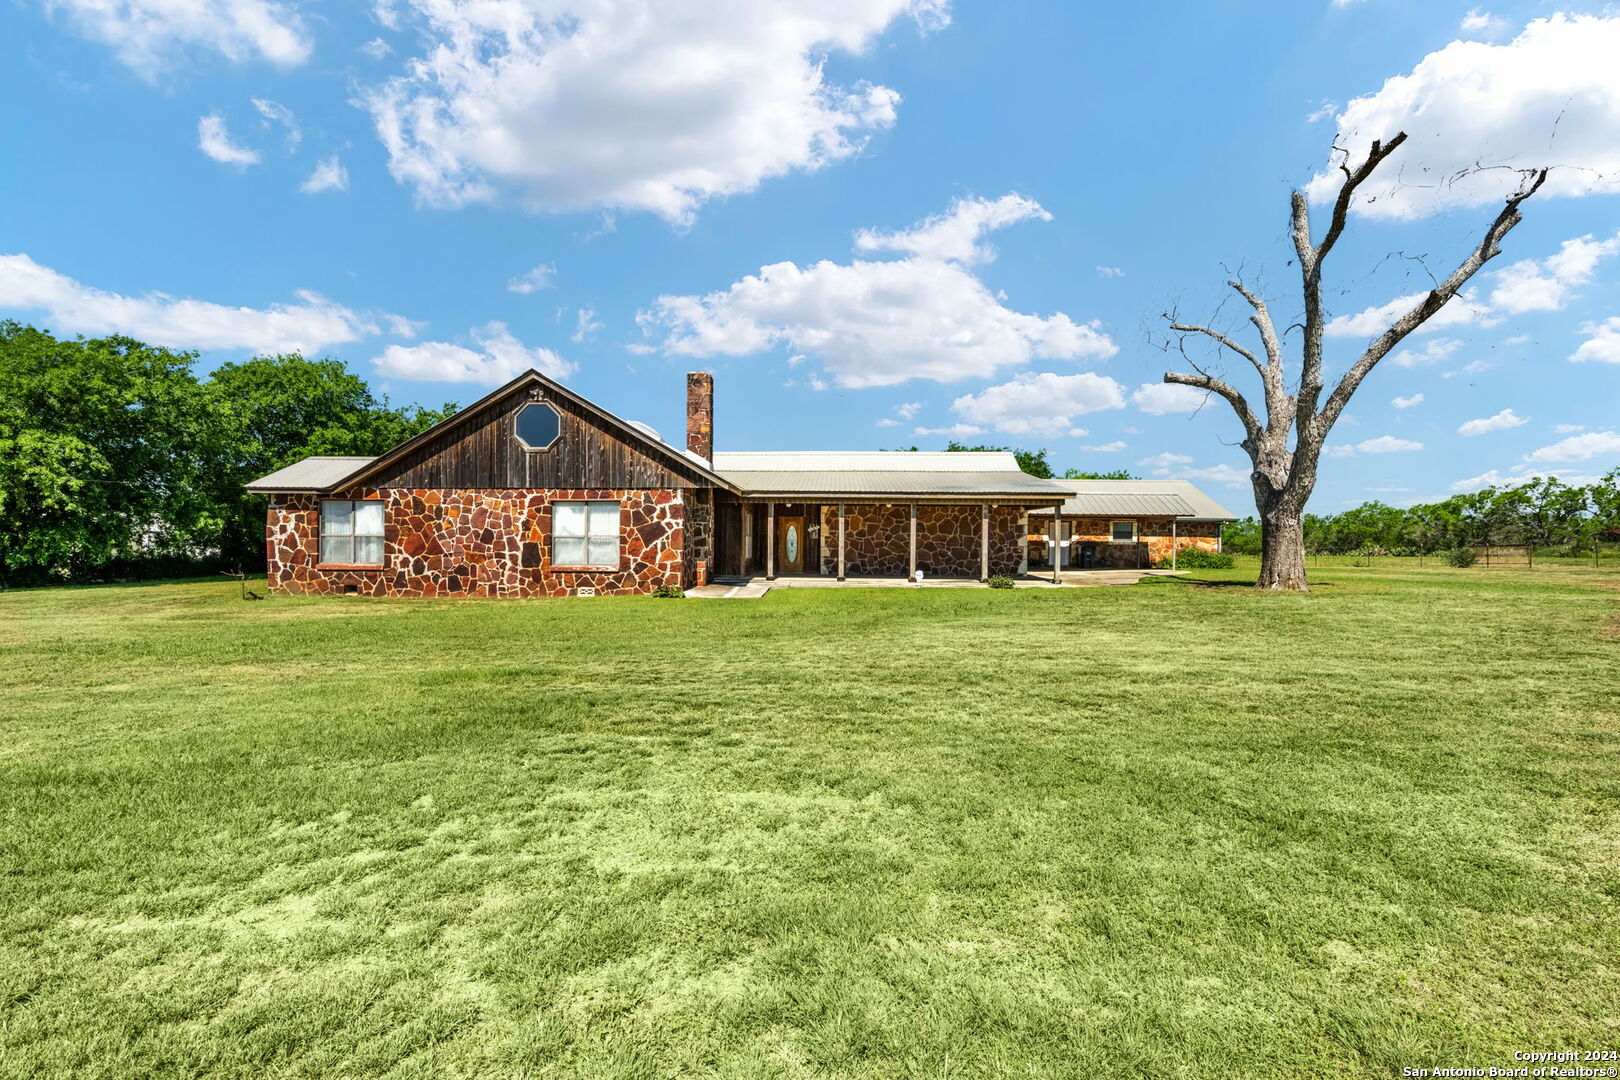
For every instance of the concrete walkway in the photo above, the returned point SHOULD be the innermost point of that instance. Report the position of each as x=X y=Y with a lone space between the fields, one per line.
x=752 y=588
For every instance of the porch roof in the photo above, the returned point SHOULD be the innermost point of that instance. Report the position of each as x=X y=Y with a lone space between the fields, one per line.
x=1142 y=498
x=900 y=474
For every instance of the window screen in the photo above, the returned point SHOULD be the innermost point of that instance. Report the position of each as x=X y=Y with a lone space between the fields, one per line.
x=352 y=532
x=1124 y=532
x=585 y=534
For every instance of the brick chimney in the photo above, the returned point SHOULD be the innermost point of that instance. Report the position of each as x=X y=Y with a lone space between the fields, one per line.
x=700 y=414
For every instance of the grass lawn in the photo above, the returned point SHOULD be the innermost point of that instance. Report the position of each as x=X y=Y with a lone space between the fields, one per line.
x=1172 y=830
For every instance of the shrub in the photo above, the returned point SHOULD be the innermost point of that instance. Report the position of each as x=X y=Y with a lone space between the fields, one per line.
x=669 y=592
x=1460 y=556
x=1000 y=581
x=1196 y=558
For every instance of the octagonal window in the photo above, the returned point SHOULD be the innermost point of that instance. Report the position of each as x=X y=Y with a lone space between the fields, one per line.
x=536 y=426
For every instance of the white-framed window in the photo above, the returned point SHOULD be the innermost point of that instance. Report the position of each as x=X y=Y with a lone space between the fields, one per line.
x=585 y=534
x=1122 y=532
x=352 y=532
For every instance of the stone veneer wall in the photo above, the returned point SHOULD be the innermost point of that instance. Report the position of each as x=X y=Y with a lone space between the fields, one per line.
x=699 y=553
x=475 y=542
x=1154 y=532
x=877 y=540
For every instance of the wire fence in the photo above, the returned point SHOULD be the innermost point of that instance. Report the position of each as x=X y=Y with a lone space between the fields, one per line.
x=1491 y=557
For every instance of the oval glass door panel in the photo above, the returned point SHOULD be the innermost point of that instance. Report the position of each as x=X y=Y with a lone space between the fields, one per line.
x=791 y=544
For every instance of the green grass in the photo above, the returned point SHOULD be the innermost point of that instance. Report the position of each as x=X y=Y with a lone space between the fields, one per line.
x=1173 y=830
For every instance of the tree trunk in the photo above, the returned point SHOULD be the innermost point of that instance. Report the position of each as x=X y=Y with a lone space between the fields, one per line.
x=1282 y=554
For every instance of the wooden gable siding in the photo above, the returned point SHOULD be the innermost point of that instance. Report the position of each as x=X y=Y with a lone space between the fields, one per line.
x=481 y=452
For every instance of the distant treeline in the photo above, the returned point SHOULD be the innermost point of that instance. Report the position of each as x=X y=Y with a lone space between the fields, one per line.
x=1543 y=513
x=117 y=461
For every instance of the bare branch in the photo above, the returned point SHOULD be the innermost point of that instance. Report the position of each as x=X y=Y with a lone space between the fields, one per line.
x=1240 y=405
x=1184 y=328
x=1490 y=246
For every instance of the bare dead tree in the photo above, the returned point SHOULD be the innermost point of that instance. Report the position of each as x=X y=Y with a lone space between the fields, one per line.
x=1283 y=475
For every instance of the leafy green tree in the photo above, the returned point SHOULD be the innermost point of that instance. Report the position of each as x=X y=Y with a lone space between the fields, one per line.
x=1241 y=537
x=103 y=450
x=1031 y=461
x=1550 y=512
x=278 y=409
x=1117 y=474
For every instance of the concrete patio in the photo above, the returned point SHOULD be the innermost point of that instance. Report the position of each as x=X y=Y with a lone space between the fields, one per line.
x=753 y=587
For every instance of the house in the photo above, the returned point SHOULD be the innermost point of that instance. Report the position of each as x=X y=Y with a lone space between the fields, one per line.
x=535 y=491
x=1126 y=524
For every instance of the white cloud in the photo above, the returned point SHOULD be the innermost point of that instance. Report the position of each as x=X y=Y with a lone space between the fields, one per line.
x=906 y=410
x=1579 y=447
x=1218 y=474
x=955 y=431
x=1602 y=342
x=1407 y=402
x=1322 y=112
x=1473 y=367
x=276 y=113
x=328 y=175
x=1550 y=97
x=1568 y=429
x=1110 y=272
x=1502 y=421
x=1461 y=310
x=1482 y=23
x=1382 y=444
x=955 y=235
x=1161 y=399
x=1432 y=352
x=618 y=103
x=310 y=325
x=1044 y=404
x=1162 y=463
x=888 y=421
x=540 y=277
x=1489 y=478
x=146 y=34
x=215 y=141
x=1545 y=284
x=386 y=13
x=1106 y=448
x=875 y=323
x=500 y=357
x=585 y=324
x=1387 y=444
x=376 y=48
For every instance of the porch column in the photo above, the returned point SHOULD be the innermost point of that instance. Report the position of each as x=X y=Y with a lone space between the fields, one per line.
x=984 y=542
x=1175 y=548
x=840 y=541
x=770 y=541
x=911 y=575
x=747 y=537
x=1053 y=542
x=1023 y=531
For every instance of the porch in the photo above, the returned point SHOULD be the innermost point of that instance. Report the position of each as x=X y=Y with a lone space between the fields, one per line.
x=736 y=586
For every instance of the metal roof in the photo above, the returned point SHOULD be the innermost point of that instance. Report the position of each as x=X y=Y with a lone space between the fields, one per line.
x=830 y=461
x=1092 y=496
x=901 y=484
x=310 y=474
x=1124 y=504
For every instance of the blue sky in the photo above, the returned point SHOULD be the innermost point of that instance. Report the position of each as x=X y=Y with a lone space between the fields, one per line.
x=878 y=223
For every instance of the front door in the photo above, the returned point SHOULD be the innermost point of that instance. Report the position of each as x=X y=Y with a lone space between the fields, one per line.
x=790 y=545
